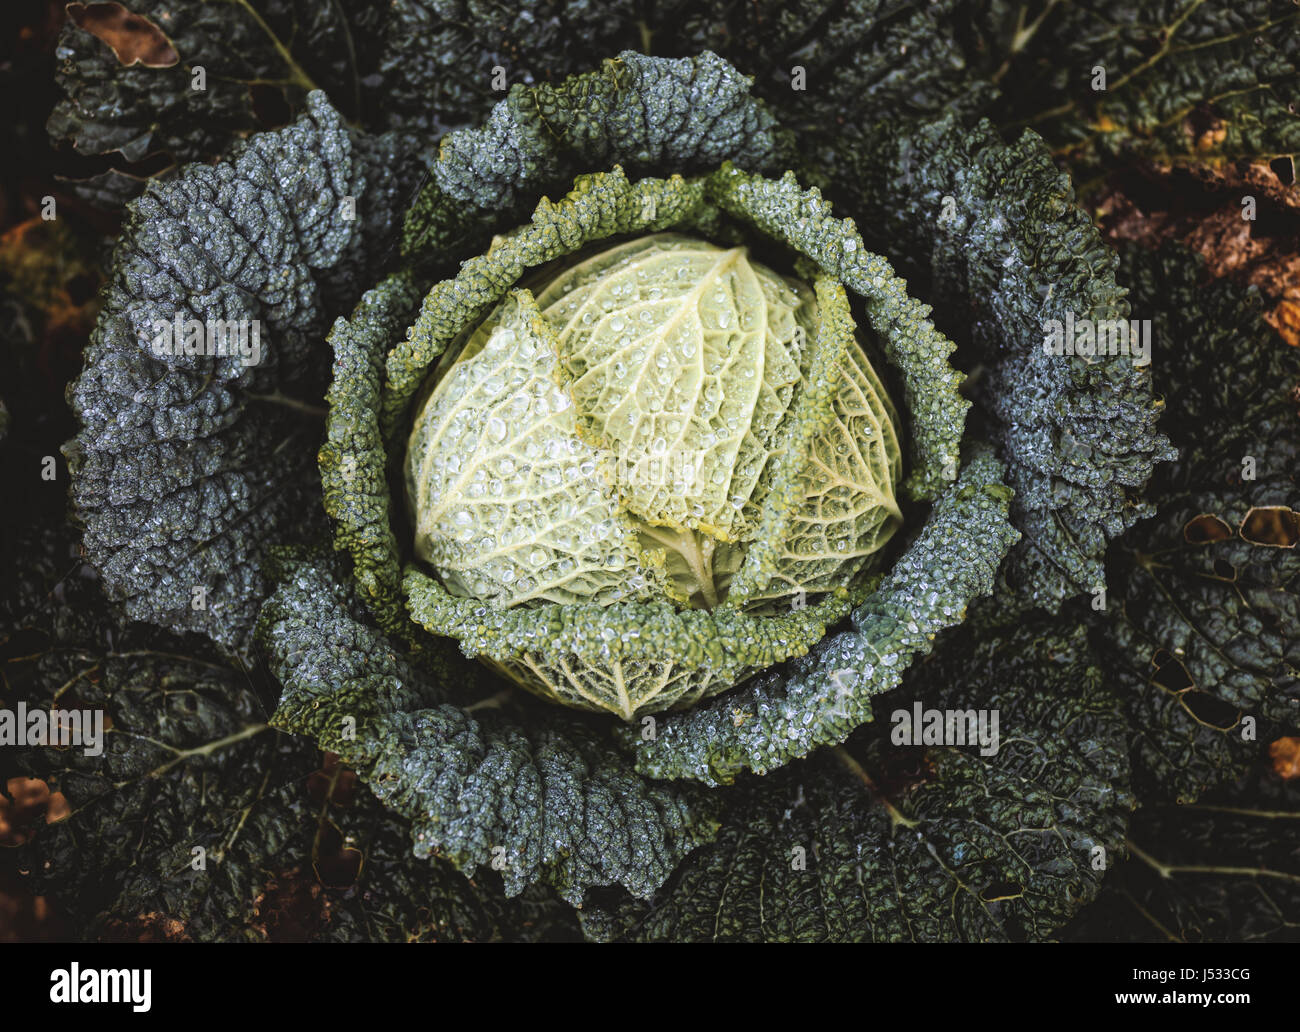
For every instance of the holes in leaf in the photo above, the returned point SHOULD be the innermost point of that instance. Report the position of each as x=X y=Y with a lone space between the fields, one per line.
x=1001 y=891
x=1284 y=168
x=1275 y=622
x=1170 y=674
x=1273 y=525
x=1208 y=710
x=1205 y=528
x=134 y=38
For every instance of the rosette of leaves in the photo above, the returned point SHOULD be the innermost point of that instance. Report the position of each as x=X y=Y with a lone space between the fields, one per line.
x=637 y=148
x=504 y=797
x=612 y=453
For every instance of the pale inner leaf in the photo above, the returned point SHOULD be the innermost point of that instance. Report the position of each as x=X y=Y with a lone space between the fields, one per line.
x=611 y=442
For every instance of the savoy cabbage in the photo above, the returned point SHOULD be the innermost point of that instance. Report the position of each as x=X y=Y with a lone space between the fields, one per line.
x=703 y=395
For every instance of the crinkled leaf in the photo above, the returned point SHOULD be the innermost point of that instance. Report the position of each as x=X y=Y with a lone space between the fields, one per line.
x=988 y=232
x=644 y=113
x=820 y=698
x=582 y=654
x=884 y=842
x=661 y=411
x=552 y=400
x=259 y=59
x=188 y=466
x=802 y=219
x=541 y=799
x=1206 y=630
x=352 y=461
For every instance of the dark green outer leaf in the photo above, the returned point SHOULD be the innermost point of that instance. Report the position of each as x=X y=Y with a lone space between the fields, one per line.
x=912 y=843
x=990 y=235
x=190 y=762
x=284 y=47
x=646 y=114
x=1224 y=870
x=820 y=698
x=186 y=468
x=1186 y=82
x=864 y=60
x=1206 y=629
x=543 y=799
x=440 y=58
